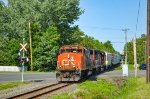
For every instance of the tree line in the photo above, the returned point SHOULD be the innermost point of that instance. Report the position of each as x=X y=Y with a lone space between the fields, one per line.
x=140 y=50
x=52 y=26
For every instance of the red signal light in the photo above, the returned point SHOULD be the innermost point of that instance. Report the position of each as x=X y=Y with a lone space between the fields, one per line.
x=19 y=59
x=24 y=59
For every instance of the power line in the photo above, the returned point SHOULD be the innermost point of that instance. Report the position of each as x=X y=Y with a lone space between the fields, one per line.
x=117 y=42
x=138 y=16
x=97 y=27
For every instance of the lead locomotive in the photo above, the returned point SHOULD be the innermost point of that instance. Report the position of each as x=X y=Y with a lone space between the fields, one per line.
x=77 y=62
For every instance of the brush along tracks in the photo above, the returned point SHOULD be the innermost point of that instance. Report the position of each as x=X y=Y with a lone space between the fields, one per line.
x=41 y=91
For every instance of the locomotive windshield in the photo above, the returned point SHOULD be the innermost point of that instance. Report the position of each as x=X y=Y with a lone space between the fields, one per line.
x=76 y=50
x=67 y=50
x=70 y=50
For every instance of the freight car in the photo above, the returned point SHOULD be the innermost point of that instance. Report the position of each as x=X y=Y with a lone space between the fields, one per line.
x=109 y=60
x=98 y=61
x=117 y=59
x=77 y=62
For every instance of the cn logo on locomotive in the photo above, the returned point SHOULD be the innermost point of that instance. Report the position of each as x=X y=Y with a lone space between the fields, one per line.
x=67 y=62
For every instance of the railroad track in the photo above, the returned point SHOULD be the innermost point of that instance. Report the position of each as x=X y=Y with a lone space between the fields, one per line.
x=41 y=92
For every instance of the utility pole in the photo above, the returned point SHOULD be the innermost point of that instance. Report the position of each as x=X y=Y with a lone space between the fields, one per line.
x=148 y=42
x=30 y=47
x=135 y=58
x=145 y=58
x=125 y=31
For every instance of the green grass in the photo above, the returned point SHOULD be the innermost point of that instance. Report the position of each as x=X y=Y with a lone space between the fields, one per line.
x=133 y=88
x=11 y=85
x=130 y=67
x=118 y=67
x=91 y=90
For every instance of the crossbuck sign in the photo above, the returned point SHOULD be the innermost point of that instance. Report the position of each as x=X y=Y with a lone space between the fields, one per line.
x=23 y=47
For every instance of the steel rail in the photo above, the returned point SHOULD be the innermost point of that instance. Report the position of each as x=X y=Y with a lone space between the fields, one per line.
x=44 y=90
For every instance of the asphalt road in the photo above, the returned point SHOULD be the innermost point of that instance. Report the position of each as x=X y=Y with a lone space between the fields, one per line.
x=8 y=76
x=17 y=76
x=115 y=73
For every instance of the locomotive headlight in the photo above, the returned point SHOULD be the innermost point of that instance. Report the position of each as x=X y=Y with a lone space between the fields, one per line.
x=106 y=62
x=74 y=66
x=77 y=70
x=60 y=66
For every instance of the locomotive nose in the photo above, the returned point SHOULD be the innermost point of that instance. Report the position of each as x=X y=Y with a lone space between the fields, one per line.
x=69 y=61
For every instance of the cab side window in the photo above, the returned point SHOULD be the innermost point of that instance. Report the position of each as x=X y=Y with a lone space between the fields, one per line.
x=79 y=50
x=62 y=51
x=87 y=52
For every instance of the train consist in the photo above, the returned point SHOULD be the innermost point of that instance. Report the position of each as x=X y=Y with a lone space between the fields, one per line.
x=77 y=62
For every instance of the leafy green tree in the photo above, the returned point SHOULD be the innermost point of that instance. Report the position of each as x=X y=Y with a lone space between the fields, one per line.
x=60 y=13
x=87 y=41
x=4 y=57
x=42 y=14
x=109 y=46
x=13 y=49
x=51 y=27
x=98 y=45
x=76 y=36
x=4 y=19
x=9 y=51
x=130 y=52
x=92 y=43
x=140 y=49
x=47 y=50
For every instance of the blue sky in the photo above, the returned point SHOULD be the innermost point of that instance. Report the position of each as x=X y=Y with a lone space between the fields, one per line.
x=104 y=19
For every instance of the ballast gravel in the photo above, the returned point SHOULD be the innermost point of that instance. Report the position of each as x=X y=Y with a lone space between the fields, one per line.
x=24 y=88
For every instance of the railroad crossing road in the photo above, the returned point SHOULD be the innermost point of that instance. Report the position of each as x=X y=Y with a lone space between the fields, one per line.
x=10 y=76
x=17 y=76
x=115 y=73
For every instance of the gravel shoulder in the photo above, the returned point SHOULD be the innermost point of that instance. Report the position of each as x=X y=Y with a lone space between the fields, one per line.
x=24 y=88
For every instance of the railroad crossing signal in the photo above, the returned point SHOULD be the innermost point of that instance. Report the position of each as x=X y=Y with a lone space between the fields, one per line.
x=23 y=47
x=23 y=59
